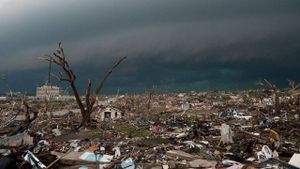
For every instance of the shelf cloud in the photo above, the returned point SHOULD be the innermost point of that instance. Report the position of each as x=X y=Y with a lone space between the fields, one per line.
x=177 y=45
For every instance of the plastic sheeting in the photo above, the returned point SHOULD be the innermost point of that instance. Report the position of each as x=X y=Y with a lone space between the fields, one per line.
x=88 y=156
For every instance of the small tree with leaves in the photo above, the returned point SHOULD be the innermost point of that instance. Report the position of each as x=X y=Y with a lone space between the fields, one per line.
x=58 y=58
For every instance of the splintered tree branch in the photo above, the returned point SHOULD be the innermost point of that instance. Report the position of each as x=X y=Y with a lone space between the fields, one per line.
x=101 y=84
x=60 y=78
x=58 y=58
x=88 y=92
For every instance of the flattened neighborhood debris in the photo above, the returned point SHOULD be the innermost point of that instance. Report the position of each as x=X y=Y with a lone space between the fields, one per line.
x=166 y=140
x=56 y=132
x=128 y=164
x=176 y=154
x=17 y=140
x=276 y=163
x=33 y=160
x=202 y=163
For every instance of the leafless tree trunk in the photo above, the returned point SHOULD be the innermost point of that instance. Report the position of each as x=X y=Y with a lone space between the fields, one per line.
x=298 y=98
x=58 y=58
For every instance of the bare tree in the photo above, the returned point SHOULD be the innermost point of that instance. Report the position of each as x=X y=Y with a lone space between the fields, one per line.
x=58 y=58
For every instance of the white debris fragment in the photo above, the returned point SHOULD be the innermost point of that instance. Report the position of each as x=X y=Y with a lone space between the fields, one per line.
x=226 y=134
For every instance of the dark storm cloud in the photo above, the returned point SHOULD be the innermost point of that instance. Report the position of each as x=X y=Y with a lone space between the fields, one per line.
x=187 y=45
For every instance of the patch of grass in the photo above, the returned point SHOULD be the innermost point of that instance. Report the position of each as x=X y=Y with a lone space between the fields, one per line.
x=140 y=132
x=124 y=130
x=291 y=115
x=93 y=134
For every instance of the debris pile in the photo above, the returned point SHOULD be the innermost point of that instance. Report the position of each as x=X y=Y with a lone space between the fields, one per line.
x=211 y=136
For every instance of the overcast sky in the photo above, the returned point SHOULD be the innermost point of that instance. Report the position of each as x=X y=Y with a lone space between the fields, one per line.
x=176 y=45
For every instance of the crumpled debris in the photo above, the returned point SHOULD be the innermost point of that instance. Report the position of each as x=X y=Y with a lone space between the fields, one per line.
x=226 y=134
x=33 y=160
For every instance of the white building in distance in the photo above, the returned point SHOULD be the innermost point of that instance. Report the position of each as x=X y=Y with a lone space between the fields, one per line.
x=47 y=91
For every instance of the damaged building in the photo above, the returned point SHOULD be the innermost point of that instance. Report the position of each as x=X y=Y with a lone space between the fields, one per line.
x=110 y=112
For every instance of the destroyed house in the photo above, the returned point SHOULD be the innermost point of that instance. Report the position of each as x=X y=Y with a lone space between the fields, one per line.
x=110 y=113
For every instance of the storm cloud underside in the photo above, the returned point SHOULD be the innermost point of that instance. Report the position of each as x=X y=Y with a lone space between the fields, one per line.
x=172 y=44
